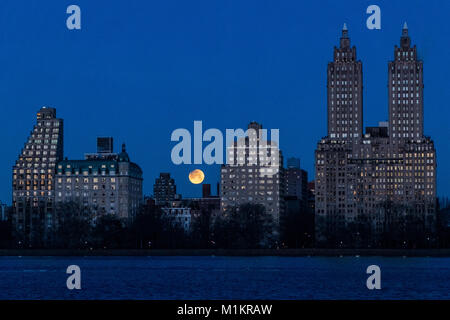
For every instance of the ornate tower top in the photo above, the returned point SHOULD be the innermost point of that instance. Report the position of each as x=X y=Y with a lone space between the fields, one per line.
x=405 y=41
x=345 y=40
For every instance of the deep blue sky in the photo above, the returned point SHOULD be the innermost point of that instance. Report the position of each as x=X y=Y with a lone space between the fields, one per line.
x=140 y=69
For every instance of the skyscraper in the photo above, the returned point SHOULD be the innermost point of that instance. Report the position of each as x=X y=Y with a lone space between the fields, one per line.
x=405 y=92
x=386 y=177
x=345 y=115
x=34 y=179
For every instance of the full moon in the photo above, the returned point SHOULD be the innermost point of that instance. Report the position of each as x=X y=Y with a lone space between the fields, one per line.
x=197 y=176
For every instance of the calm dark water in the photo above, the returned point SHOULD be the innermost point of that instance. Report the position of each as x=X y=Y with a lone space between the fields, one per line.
x=224 y=278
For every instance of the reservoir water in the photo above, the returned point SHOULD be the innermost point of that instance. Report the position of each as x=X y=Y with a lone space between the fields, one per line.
x=210 y=277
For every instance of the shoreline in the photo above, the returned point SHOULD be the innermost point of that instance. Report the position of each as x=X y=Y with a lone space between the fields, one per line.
x=230 y=252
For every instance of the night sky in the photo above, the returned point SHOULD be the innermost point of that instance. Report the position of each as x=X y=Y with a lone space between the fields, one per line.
x=137 y=70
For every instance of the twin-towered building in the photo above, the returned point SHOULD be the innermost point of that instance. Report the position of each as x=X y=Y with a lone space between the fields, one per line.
x=104 y=182
x=385 y=173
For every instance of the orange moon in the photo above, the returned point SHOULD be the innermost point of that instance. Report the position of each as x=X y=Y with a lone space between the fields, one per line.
x=197 y=176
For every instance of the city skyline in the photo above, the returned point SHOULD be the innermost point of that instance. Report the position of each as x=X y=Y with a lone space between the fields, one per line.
x=243 y=82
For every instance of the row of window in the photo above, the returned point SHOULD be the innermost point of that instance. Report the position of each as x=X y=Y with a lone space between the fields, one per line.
x=344 y=135
x=87 y=180
x=48 y=123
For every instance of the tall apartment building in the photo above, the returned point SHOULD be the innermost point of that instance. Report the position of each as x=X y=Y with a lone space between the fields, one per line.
x=405 y=92
x=105 y=182
x=253 y=173
x=393 y=165
x=164 y=189
x=33 y=215
x=345 y=87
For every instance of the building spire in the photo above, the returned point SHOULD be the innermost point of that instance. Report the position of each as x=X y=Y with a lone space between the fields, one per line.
x=405 y=30
x=404 y=39
x=344 y=31
x=345 y=41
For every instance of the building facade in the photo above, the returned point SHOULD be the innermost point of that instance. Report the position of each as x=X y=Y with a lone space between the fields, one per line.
x=33 y=207
x=105 y=182
x=385 y=175
x=3 y=212
x=254 y=173
x=296 y=181
x=296 y=184
x=105 y=145
x=179 y=216
x=184 y=212
x=164 y=189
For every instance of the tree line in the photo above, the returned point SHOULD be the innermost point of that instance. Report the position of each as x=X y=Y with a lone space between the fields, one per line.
x=248 y=226
x=392 y=226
